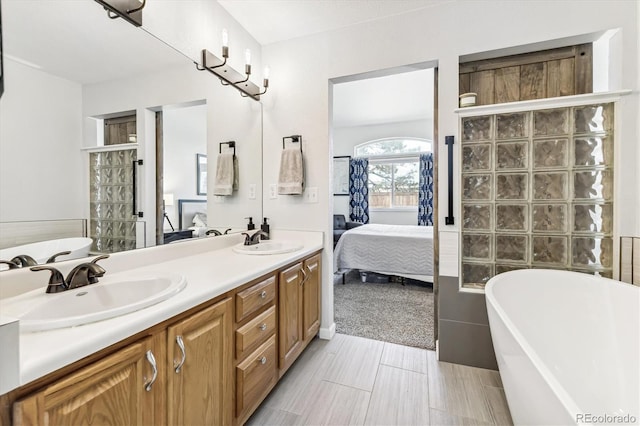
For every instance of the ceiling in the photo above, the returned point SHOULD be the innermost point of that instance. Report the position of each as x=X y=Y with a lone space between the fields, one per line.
x=271 y=21
x=76 y=40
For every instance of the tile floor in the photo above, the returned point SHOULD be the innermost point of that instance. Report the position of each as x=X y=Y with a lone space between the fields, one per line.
x=356 y=381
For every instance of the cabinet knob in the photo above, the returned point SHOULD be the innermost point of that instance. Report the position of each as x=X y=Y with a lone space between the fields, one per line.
x=263 y=360
x=263 y=327
x=263 y=295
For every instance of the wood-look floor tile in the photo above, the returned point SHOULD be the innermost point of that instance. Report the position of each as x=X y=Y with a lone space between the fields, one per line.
x=405 y=357
x=400 y=397
x=487 y=377
x=442 y=418
x=498 y=405
x=355 y=363
x=298 y=384
x=270 y=416
x=334 y=404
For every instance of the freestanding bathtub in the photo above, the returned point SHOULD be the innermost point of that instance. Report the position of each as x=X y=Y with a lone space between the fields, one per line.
x=79 y=247
x=567 y=345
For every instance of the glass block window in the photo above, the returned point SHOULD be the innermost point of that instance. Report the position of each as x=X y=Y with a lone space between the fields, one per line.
x=537 y=192
x=112 y=224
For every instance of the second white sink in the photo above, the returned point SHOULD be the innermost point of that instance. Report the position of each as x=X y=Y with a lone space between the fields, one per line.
x=38 y=311
x=269 y=247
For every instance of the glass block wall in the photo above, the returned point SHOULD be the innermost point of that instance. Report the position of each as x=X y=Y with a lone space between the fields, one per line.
x=537 y=192
x=112 y=225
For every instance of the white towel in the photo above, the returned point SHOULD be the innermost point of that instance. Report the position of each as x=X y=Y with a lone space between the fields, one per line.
x=226 y=175
x=291 y=178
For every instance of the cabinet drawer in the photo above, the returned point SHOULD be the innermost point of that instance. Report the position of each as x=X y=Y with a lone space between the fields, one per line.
x=255 y=297
x=255 y=331
x=255 y=376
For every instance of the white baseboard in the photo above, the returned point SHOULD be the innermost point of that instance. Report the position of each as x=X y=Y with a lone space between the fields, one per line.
x=328 y=333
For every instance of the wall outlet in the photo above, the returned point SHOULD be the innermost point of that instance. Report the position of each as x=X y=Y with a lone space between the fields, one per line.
x=252 y=191
x=311 y=194
x=273 y=191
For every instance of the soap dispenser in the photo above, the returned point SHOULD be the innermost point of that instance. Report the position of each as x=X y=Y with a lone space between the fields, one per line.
x=250 y=226
x=265 y=228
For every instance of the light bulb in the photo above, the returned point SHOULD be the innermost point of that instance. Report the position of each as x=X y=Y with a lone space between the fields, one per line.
x=225 y=38
x=247 y=56
x=266 y=73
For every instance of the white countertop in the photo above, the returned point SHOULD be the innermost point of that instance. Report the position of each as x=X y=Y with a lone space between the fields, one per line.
x=215 y=269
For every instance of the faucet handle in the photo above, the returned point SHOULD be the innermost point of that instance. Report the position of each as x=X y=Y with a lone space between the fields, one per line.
x=11 y=264
x=53 y=258
x=56 y=280
x=247 y=239
x=102 y=256
x=24 y=260
x=96 y=271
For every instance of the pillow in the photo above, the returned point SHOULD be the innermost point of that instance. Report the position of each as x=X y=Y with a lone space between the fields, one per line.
x=200 y=219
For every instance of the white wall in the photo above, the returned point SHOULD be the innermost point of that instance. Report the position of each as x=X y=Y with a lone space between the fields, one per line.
x=302 y=69
x=184 y=136
x=40 y=137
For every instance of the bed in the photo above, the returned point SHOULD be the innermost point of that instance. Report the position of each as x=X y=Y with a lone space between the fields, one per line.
x=402 y=250
x=192 y=215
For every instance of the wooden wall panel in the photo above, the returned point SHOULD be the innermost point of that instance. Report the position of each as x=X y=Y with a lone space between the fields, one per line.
x=560 y=77
x=533 y=81
x=483 y=83
x=550 y=73
x=507 y=84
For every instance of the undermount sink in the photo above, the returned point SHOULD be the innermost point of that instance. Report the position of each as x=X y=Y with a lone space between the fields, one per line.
x=269 y=247
x=111 y=297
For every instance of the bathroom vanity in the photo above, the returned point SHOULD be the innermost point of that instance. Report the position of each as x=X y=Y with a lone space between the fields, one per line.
x=208 y=355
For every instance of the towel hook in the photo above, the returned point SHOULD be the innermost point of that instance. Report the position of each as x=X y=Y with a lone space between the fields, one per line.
x=294 y=139
x=231 y=144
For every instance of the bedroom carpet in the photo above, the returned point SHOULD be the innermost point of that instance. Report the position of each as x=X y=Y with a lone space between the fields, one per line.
x=389 y=312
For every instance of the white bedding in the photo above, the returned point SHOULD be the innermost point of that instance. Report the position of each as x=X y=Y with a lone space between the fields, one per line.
x=404 y=250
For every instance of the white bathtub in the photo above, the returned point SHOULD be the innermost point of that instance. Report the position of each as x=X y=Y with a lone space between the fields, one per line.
x=79 y=247
x=568 y=346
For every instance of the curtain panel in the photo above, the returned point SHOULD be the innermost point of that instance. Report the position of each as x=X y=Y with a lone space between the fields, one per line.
x=358 y=190
x=425 y=195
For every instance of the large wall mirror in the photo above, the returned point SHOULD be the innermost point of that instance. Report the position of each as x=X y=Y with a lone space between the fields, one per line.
x=70 y=154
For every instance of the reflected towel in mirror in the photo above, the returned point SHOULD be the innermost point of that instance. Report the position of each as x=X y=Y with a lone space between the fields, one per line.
x=226 y=175
x=291 y=177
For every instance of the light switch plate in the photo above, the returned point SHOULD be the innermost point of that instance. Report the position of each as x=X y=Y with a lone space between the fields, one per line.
x=252 y=191
x=273 y=191
x=311 y=194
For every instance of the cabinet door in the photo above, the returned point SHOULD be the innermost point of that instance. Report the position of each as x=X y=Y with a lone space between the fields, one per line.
x=311 y=297
x=111 y=391
x=200 y=368
x=290 y=315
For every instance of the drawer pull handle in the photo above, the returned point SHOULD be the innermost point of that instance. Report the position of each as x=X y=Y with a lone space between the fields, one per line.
x=152 y=361
x=263 y=295
x=178 y=365
x=263 y=360
x=263 y=327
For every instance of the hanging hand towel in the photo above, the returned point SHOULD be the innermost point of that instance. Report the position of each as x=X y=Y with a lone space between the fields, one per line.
x=291 y=178
x=225 y=175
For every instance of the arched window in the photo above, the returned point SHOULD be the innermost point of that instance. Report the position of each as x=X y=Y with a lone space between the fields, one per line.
x=394 y=171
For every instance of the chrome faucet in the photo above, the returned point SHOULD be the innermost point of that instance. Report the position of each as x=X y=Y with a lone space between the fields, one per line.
x=250 y=240
x=82 y=275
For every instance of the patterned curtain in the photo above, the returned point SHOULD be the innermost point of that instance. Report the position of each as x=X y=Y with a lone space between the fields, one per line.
x=358 y=190
x=425 y=196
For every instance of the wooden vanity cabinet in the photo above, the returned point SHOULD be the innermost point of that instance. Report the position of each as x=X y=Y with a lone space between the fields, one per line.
x=211 y=365
x=118 y=389
x=199 y=360
x=299 y=308
x=256 y=371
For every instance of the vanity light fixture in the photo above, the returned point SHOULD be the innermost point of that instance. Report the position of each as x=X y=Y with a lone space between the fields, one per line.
x=129 y=10
x=229 y=76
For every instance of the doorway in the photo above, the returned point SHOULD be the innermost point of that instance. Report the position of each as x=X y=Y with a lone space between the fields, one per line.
x=385 y=124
